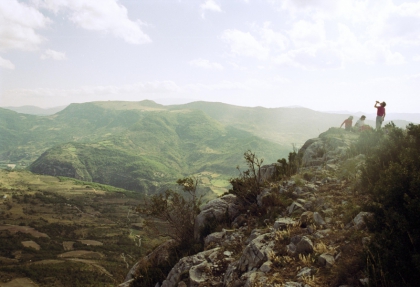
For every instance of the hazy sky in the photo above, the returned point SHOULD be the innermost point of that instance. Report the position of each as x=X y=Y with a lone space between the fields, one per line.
x=327 y=55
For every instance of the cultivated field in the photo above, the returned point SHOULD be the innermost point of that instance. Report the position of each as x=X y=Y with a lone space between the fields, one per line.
x=62 y=232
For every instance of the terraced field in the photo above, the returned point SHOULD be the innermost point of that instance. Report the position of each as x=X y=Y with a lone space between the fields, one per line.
x=63 y=232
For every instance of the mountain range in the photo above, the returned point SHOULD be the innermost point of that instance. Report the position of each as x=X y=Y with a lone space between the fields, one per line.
x=146 y=146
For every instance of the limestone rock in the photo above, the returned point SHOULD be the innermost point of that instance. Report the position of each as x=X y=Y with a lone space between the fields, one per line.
x=359 y=220
x=266 y=267
x=326 y=260
x=197 y=266
x=318 y=219
x=305 y=272
x=199 y=273
x=268 y=172
x=216 y=209
x=255 y=253
x=294 y=207
x=283 y=223
x=307 y=217
x=305 y=246
x=215 y=237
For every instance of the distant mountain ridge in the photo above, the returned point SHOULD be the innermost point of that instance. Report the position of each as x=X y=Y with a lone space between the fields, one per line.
x=33 y=110
x=138 y=146
x=154 y=144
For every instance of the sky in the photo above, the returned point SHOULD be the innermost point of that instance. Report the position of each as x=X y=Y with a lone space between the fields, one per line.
x=327 y=55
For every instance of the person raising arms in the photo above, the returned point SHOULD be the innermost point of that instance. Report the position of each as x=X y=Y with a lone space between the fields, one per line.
x=380 y=114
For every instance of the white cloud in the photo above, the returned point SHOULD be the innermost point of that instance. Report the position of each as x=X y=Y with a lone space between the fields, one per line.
x=6 y=64
x=416 y=58
x=206 y=64
x=19 y=24
x=101 y=15
x=244 y=44
x=349 y=31
x=54 y=55
x=271 y=37
x=210 y=5
x=304 y=33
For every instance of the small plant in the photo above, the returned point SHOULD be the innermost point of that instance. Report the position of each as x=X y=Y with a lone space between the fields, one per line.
x=279 y=261
x=309 y=280
x=307 y=260
x=281 y=235
x=322 y=248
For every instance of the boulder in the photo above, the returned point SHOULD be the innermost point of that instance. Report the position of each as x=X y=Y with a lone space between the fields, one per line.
x=215 y=237
x=283 y=223
x=359 y=220
x=268 y=172
x=326 y=260
x=295 y=206
x=199 y=273
x=216 y=209
x=197 y=266
x=318 y=219
x=266 y=267
x=305 y=246
x=255 y=253
x=306 y=218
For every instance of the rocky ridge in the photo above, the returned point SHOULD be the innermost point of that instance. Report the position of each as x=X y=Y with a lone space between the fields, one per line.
x=315 y=240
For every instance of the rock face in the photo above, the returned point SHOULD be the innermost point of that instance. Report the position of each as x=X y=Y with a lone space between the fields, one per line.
x=328 y=148
x=268 y=172
x=217 y=209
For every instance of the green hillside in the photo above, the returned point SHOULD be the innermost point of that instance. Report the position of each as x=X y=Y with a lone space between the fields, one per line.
x=284 y=126
x=138 y=146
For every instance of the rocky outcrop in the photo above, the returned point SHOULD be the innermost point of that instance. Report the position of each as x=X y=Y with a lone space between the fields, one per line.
x=328 y=148
x=223 y=208
x=306 y=235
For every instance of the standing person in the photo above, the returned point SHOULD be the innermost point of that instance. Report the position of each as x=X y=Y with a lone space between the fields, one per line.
x=347 y=123
x=380 y=114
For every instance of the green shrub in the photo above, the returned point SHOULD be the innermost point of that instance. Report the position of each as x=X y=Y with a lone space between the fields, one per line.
x=392 y=179
x=177 y=210
x=248 y=186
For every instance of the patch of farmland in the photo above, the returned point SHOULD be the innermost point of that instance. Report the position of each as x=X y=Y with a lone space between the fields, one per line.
x=81 y=253
x=91 y=242
x=24 y=229
x=31 y=244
